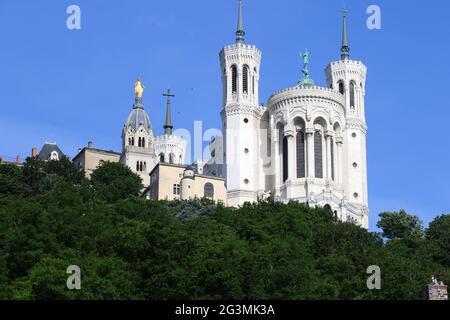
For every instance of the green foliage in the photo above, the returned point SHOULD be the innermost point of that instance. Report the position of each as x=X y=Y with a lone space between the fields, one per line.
x=43 y=176
x=12 y=181
x=114 y=181
x=438 y=236
x=128 y=248
x=400 y=225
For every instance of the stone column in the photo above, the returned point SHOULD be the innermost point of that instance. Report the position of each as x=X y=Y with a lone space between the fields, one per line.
x=310 y=152
x=276 y=157
x=239 y=84
x=291 y=155
x=328 y=136
x=338 y=165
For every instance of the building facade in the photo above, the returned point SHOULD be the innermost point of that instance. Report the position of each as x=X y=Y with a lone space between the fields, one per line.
x=307 y=145
x=141 y=149
x=178 y=182
x=90 y=158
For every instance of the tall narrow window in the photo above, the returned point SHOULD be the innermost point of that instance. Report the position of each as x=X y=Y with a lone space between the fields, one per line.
x=143 y=142
x=137 y=166
x=352 y=94
x=341 y=87
x=208 y=190
x=171 y=157
x=161 y=158
x=332 y=158
x=301 y=168
x=234 y=79
x=139 y=142
x=132 y=141
x=141 y=166
x=285 y=159
x=318 y=157
x=245 y=79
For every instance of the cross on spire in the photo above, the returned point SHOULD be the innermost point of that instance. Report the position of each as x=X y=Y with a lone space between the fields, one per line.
x=345 y=49
x=168 y=127
x=240 y=33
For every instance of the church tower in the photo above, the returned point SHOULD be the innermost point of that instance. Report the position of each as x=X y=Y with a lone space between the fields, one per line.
x=348 y=77
x=241 y=117
x=138 y=140
x=170 y=148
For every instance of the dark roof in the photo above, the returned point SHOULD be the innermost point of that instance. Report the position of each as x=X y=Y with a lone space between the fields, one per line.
x=47 y=150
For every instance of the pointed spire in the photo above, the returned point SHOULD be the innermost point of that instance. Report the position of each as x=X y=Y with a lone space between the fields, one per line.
x=168 y=127
x=240 y=33
x=345 y=50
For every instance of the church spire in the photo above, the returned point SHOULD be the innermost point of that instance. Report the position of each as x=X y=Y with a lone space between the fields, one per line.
x=345 y=50
x=240 y=33
x=168 y=127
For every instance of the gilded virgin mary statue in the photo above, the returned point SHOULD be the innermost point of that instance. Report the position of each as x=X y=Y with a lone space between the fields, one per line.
x=139 y=88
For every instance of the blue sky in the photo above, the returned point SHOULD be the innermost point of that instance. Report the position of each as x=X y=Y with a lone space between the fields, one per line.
x=73 y=86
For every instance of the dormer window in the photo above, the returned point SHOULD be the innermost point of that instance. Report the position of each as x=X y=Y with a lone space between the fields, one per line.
x=54 y=156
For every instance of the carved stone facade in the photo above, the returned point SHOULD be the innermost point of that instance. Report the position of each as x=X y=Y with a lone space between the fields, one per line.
x=308 y=144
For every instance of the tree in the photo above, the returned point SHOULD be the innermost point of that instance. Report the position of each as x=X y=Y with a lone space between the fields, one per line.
x=400 y=225
x=12 y=181
x=438 y=239
x=43 y=176
x=114 y=181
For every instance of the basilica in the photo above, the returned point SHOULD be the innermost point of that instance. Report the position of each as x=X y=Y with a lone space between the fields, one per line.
x=306 y=144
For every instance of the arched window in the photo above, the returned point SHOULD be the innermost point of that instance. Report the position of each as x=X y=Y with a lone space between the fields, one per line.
x=137 y=166
x=208 y=190
x=318 y=157
x=132 y=141
x=129 y=141
x=352 y=94
x=301 y=167
x=285 y=159
x=341 y=87
x=234 y=79
x=332 y=158
x=161 y=158
x=141 y=166
x=171 y=158
x=245 y=79
x=143 y=143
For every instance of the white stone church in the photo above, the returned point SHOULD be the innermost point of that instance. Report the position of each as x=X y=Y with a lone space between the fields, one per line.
x=308 y=144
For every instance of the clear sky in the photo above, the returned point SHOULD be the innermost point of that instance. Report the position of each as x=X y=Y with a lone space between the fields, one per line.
x=71 y=86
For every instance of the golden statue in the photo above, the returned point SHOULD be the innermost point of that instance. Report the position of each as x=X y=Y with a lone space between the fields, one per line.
x=139 y=88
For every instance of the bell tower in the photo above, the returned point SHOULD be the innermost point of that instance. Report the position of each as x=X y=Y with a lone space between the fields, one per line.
x=240 y=65
x=348 y=77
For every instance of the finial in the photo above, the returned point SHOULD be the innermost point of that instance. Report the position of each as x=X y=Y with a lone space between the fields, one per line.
x=240 y=33
x=139 y=88
x=168 y=127
x=306 y=79
x=345 y=50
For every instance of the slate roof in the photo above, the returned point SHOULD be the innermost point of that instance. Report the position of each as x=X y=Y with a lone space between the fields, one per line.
x=47 y=150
